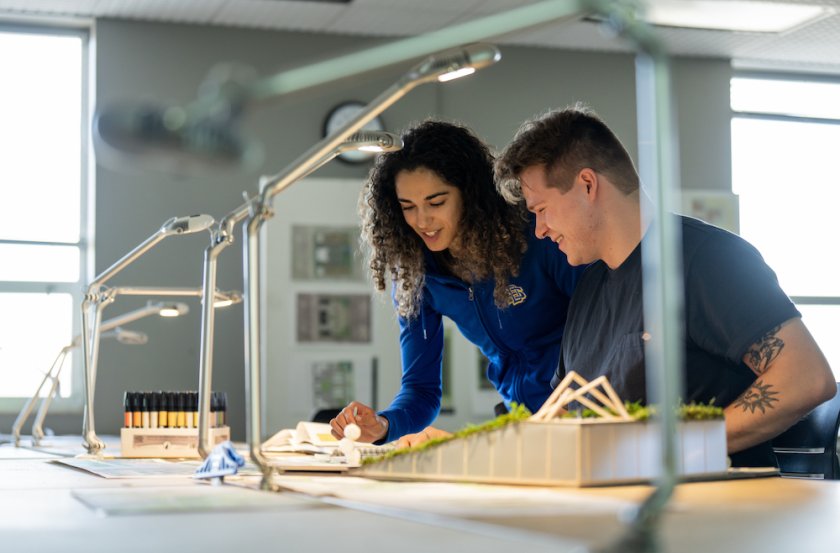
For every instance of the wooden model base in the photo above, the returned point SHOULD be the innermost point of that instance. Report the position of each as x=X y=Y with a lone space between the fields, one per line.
x=167 y=443
x=568 y=452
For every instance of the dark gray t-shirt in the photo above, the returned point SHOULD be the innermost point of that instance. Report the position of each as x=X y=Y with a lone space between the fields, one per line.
x=732 y=298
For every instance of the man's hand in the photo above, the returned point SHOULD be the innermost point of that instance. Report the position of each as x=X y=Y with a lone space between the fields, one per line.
x=428 y=433
x=373 y=426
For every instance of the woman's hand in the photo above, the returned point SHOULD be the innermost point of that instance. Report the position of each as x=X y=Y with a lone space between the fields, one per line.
x=373 y=426
x=428 y=433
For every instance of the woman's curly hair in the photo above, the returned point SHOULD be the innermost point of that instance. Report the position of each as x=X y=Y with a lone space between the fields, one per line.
x=491 y=232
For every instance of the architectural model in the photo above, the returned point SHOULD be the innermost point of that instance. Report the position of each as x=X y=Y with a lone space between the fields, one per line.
x=608 y=445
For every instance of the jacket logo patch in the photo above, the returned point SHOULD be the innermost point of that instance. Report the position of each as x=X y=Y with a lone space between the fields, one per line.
x=516 y=295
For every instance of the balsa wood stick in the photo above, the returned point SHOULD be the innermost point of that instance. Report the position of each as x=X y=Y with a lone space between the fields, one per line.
x=596 y=393
x=579 y=396
x=617 y=401
x=555 y=395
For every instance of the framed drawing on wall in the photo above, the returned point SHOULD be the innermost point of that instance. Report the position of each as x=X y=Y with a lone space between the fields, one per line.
x=322 y=252
x=316 y=380
x=332 y=383
x=333 y=318
x=719 y=208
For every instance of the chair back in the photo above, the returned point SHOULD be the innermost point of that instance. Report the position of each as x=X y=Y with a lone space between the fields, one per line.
x=325 y=415
x=808 y=449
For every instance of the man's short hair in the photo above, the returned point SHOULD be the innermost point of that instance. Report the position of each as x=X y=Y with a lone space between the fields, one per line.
x=564 y=142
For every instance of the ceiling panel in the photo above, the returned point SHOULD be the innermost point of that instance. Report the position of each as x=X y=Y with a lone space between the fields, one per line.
x=457 y=6
x=391 y=20
x=292 y=16
x=180 y=11
x=53 y=7
x=814 y=47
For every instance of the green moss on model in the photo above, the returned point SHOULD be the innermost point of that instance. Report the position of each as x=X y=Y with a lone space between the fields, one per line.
x=517 y=413
x=687 y=412
x=690 y=412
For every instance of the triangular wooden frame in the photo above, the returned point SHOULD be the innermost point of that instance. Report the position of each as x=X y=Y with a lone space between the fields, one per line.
x=601 y=399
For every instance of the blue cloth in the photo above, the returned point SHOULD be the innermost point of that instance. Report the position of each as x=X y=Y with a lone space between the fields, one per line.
x=222 y=461
x=521 y=342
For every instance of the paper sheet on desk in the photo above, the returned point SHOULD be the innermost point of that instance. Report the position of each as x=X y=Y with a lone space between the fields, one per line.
x=149 y=501
x=131 y=468
x=140 y=468
x=454 y=499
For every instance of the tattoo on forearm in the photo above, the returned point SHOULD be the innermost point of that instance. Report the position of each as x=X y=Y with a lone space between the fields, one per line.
x=758 y=396
x=764 y=351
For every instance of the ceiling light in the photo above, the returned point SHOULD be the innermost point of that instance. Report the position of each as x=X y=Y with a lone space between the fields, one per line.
x=756 y=17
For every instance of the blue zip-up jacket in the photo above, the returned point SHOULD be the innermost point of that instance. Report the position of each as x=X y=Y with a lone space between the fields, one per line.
x=522 y=342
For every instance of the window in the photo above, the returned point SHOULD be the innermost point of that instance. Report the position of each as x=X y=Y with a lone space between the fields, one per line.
x=786 y=170
x=43 y=215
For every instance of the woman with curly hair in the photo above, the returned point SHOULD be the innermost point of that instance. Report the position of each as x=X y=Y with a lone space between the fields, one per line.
x=435 y=228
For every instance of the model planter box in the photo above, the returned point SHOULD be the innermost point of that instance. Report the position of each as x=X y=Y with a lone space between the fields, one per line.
x=567 y=452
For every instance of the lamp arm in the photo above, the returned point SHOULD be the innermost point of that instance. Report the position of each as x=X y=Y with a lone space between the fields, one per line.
x=205 y=362
x=26 y=410
x=222 y=237
x=38 y=423
x=126 y=260
x=170 y=292
x=225 y=228
x=324 y=150
x=129 y=317
x=400 y=51
x=348 y=146
x=156 y=291
x=174 y=226
x=269 y=187
x=90 y=345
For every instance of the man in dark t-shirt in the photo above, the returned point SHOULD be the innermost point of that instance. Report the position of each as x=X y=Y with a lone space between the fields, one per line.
x=745 y=345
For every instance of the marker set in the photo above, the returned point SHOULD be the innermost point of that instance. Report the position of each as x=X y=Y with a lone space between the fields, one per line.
x=165 y=424
x=171 y=409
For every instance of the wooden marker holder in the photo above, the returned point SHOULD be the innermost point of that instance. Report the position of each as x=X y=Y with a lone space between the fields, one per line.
x=167 y=443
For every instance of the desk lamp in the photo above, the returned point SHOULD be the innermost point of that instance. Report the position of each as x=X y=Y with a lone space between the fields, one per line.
x=112 y=328
x=108 y=296
x=439 y=68
x=222 y=237
x=97 y=297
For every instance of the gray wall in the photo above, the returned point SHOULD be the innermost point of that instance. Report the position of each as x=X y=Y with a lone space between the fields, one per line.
x=142 y=61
